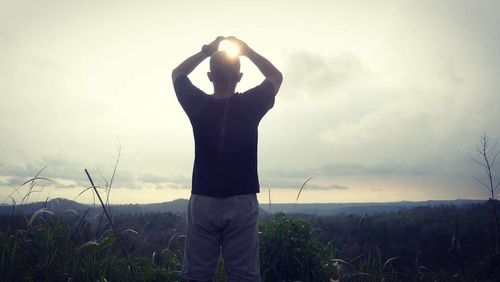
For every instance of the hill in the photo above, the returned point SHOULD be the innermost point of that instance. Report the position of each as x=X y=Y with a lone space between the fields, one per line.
x=360 y=208
x=61 y=205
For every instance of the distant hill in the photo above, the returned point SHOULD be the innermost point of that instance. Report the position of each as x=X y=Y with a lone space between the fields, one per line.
x=360 y=208
x=54 y=205
x=61 y=205
x=175 y=206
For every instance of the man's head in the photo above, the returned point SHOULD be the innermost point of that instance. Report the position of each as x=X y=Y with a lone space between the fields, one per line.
x=224 y=69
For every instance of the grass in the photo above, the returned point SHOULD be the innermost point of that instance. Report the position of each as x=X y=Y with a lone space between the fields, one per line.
x=66 y=247
x=49 y=247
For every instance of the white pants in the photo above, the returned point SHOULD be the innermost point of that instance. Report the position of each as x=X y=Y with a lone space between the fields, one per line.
x=227 y=226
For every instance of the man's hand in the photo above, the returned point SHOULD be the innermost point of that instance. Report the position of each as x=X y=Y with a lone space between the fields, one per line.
x=244 y=49
x=214 y=45
x=270 y=72
x=192 y=62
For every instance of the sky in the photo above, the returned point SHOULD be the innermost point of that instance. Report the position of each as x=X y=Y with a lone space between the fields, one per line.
x=381 y=100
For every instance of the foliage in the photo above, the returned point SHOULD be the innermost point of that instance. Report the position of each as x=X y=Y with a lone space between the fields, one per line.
x=435 y=243
x=288 y=253
x=46 y=251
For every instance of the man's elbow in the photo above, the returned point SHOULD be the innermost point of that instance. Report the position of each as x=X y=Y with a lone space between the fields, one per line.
x=279 y=77
x=175 y=74
x=276 y=79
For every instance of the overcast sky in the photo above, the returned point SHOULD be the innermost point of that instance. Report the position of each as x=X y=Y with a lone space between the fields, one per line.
x=381 y=100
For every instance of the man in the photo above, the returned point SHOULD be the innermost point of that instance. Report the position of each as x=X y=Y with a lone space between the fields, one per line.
x=223 y=209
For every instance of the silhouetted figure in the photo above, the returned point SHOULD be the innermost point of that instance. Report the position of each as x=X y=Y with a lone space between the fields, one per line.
x=223 y=210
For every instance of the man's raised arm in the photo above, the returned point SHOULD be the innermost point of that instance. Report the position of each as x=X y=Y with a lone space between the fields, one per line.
x=270 y=72
x=192 y=62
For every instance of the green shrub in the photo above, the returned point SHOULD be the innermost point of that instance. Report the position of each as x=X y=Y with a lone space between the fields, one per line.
x=288 y=253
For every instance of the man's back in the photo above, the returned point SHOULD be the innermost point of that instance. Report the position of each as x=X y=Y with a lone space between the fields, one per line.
x=225 y=134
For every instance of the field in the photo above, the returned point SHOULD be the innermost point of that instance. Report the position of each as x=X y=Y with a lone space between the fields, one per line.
x=428 y=243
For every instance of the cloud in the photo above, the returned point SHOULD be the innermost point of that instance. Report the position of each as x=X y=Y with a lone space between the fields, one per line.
x=4 y=180
x=296 y=183
x=69 y=175
x=63 y=183
x=50 y=64
x=374 y=169
x=347 y=169
x=161 y=181
x=326 y=187
x=310 y=74
x=139 y=180
x=48 y=167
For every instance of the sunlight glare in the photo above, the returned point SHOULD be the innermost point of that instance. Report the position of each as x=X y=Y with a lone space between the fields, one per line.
x=230 y=47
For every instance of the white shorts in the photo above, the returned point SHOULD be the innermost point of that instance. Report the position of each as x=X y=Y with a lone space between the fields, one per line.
x=227 y=226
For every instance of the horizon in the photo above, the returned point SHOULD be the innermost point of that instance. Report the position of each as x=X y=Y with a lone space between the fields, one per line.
x=379 y=106
x=261 y=202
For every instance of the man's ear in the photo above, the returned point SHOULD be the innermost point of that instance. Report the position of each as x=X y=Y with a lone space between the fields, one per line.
x=209 y=74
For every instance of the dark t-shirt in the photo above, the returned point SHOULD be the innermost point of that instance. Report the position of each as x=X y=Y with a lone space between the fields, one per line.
x=225 y=136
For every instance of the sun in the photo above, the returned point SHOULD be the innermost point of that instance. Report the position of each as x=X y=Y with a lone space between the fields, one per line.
x=230 y=47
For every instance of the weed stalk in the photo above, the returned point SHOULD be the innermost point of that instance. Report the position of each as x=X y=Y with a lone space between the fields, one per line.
x=110 y=222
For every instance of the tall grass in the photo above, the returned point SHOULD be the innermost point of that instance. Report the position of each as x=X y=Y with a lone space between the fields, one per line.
x=49 y=247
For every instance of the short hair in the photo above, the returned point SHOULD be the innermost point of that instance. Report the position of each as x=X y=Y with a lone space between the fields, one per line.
x=224 y=68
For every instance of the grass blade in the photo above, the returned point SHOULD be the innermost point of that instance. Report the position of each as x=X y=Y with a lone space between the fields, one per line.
x=38 y=212
x=300 y=191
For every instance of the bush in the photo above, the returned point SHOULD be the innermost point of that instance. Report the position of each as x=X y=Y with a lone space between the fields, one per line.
x=288 y=253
